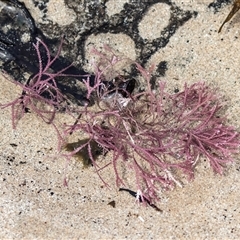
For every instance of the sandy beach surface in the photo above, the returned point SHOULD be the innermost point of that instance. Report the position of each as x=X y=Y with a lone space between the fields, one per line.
x=181 y=39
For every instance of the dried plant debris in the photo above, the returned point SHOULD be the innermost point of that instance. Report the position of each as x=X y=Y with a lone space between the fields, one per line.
x=235 y=8
x=112 y=203
x=134 y=194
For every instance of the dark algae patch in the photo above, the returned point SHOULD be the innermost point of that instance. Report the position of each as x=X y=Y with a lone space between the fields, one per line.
x=83 y=153
x=218 y=4
x=18 y=56
x=97 y=21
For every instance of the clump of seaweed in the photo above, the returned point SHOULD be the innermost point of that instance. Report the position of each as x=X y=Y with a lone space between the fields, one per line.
x=158 y=136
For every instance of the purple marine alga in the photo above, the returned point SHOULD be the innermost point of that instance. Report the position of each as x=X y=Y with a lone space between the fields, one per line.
x=158 y=136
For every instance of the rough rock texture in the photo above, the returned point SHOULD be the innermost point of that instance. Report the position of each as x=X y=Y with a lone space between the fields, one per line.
x=181 y=39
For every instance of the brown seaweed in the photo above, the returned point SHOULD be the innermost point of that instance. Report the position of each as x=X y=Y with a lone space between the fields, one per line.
x=83 y=155
x=235 y=8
